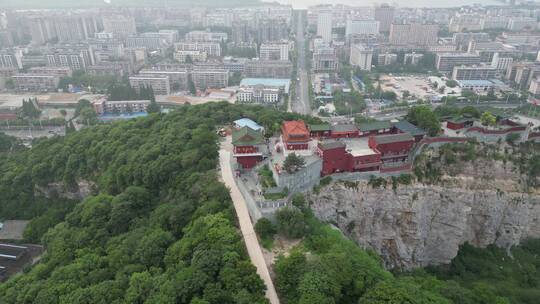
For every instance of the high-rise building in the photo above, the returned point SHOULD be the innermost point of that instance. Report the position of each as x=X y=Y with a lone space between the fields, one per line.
x=386 y=59
x=274 y=51
x=206 y=36
x=412 y=58
x=361 y=57
x=210 y=78
x=272 y=30
x=324 y=26
x=121 y=26
x=501 y=63
x=385 y=15
x=325 y=59
x=414 y=34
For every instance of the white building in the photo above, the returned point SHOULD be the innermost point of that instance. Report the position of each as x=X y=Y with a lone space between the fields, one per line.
x=274 y=51
x=386 y=59
x=119 y=25
x=212 y=49
x=361 y=27
x=258 y=94
x=324 y=26
x=206 y=36
x=361 y=57
x=159 y=84
x=196 y=56
x=501 y=63
x=412 y=58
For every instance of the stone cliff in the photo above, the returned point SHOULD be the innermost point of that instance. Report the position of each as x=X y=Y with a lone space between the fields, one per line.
x=419 y=225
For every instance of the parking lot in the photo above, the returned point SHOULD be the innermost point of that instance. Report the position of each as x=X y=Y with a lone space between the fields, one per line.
x=417 y=86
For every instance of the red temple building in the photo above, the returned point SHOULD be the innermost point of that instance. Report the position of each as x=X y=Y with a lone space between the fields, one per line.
x=249 y=146
x=319 y=130
x=344 y=131
x=407 y=127
x=394 y=147
x=341 y=156
x=375 y=128
x=295 y=135
x=459 y=123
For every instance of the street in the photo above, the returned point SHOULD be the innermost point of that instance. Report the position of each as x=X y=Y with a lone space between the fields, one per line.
x=246 y=226
x=302 y=103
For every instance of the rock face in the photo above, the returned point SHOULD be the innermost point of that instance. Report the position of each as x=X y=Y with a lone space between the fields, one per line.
x=419 y=225
x=84 y=189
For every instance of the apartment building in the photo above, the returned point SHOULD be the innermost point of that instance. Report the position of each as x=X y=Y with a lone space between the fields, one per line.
x=268 y=68
x=212 y=49
x=120 y=26
x=414 y=34
x=274 y=51
x=160 y=84
x=35 y=83
x=325 y=59
x=206 y=36
x=178 y=79
x=361 y=57
x=194 y=56
x=121 y=106
x=208 y=78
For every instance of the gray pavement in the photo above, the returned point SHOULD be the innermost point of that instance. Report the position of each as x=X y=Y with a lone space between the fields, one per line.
x=301 y=104
x=246 y=226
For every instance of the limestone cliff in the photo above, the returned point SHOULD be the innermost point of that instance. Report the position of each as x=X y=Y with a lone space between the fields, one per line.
x=419 y=225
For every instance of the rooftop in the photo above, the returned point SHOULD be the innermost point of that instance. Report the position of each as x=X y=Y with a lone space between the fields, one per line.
x=331 y=144
x=344 y=128
x=359 y=147
x=247 y=137
x=246 y=122
x=407 y=127
x=386 y=139
x=372 y=126
x=319 y=127
x=271 y=82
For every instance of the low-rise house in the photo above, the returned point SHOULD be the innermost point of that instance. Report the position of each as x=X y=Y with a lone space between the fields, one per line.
x=344 y=131
x=375 y=128
x=320 y=130
x=393 y=147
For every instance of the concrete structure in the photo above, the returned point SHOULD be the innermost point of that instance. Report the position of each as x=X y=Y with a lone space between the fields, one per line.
x=481 y=72
x=361 y=57
x=386 y=59
x=412 y=58
x=347 y=156
x=501 y=63
x=274 y=51
x=212 y=49
x=206 y=36
x=160 y=85
x=258 y=94
x=195 y=56
x=522 y=73
x=74 y=59
x=325 y=59
x=281 y=84
x=522 y=23
x=35 y=83
x=463 y=39
x=324 y=26
x=361 y=27
x=204 y=78
x=414 y=34
x=268 y=68
x=104 y=106
x=385 y=15
x=534 y=88
x=445 y=62
x=150 y=41
x=50 y=71
x=479 y=86
x=178 y=79
x=119 y=25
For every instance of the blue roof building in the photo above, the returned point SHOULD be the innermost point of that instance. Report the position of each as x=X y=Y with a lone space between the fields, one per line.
x=246 y=122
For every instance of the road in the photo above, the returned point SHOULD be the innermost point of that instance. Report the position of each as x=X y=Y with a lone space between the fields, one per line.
x=302 y=103
x=248 y=233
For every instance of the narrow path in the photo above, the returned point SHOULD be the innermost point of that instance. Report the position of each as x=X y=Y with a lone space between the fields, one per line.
x=248 y=233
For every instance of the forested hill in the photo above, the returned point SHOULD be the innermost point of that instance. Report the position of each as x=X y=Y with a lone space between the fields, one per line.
x=160 y=227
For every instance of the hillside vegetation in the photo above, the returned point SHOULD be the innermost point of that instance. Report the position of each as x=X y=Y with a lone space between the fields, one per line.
x=159 y=228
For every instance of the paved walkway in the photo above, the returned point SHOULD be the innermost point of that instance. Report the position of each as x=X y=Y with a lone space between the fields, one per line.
x=248 y=233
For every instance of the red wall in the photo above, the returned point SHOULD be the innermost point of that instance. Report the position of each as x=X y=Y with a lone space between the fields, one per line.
x=401 y=147
x=366 y=162
x=344 y=134
x=319 y=134
x=335 y=160
x=248 y=162
x=245 y=149
x=302 y=146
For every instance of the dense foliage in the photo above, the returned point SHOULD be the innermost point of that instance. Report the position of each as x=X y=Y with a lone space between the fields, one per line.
x=424 y=118
x=158 y=228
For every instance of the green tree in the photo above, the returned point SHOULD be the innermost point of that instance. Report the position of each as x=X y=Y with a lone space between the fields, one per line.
x=488 y=119
x=451 y=83
x=291 y=222
x=293 y=163
x=424 y=118
x=265 y=228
